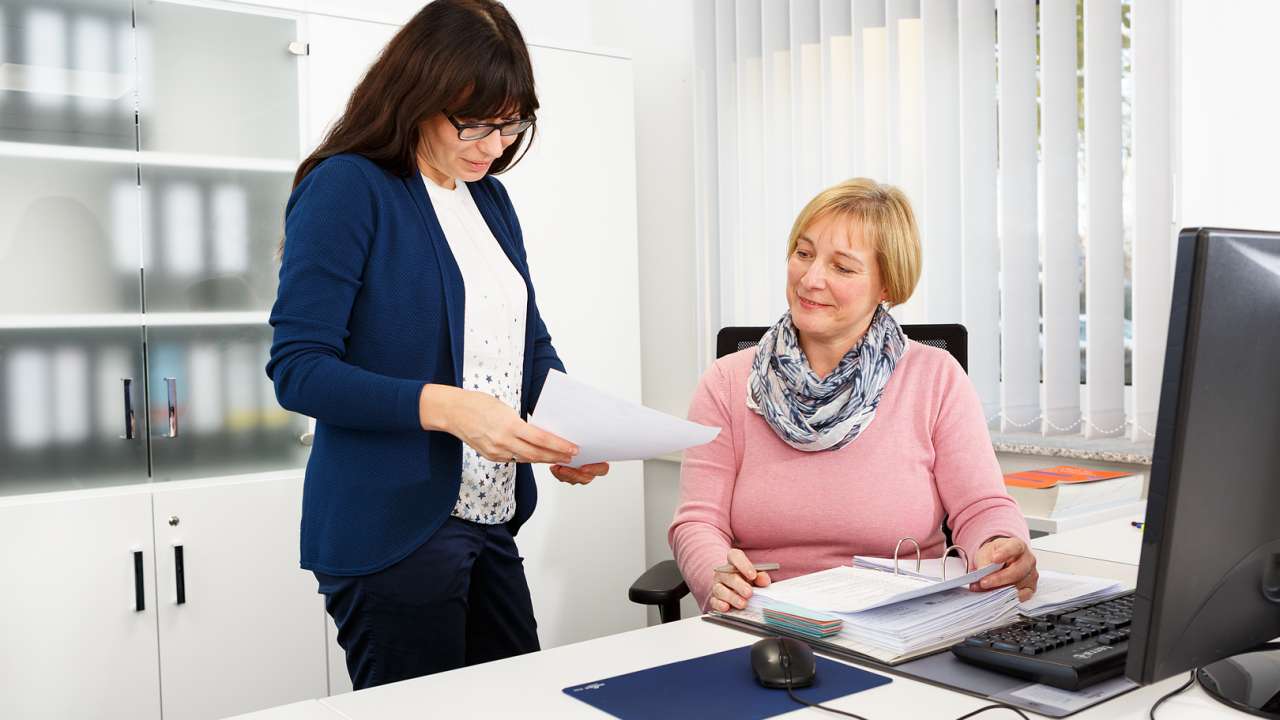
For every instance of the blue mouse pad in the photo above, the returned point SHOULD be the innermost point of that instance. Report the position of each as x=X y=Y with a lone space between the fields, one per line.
x=715 y=686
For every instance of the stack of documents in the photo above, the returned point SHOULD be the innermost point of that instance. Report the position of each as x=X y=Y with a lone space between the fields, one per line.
x=802 y=621
x=886 y=616
x=1055 y=591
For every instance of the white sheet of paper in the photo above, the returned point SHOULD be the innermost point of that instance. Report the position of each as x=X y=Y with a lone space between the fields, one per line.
x=609 y=429
x=847 y=589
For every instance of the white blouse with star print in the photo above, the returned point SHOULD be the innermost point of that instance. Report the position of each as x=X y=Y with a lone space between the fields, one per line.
x=492 y=346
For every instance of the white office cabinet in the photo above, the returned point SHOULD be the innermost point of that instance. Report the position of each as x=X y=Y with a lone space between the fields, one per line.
x=76 y=638
x=341 y=50
x=241 y=625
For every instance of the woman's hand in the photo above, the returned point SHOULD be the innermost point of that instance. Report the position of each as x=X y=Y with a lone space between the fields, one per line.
x=579 y=476
x=1019 y=566
x=732 y=589
x=489 y=426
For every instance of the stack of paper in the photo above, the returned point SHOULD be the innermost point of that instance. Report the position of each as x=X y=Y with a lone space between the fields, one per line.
x=1057 y=591
x=886 y=616
x=802 y=621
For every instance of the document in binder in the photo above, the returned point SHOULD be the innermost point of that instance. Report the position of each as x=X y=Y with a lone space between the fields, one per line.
x=886 y=616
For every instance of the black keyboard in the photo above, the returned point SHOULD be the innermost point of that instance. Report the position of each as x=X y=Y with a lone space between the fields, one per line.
x=1068 y=649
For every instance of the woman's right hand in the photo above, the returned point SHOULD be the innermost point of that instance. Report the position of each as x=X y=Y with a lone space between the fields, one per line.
x=731 y=589
x=489 y=426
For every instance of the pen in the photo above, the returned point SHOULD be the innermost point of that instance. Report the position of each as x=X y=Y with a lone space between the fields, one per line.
x=1137 y=524
x=728 y=567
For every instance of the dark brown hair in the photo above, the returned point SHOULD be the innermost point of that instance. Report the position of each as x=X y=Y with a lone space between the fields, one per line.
x=465 y=57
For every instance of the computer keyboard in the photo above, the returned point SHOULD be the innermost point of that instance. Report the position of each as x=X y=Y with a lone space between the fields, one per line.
x=1068 y=649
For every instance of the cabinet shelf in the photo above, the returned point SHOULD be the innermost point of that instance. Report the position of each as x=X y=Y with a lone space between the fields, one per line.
x=124 y=320
x=144 y=158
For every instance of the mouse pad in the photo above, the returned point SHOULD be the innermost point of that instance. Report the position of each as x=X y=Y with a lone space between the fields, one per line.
x=721 y=685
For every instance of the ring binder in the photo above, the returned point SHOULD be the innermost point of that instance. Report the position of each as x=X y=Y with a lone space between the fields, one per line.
x=898 y=547
x=963 y=556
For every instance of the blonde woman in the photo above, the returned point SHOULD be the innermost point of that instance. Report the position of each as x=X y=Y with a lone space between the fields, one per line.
x=841 y=435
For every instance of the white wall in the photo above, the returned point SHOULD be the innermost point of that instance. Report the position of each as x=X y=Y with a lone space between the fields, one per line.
x=1228 y=105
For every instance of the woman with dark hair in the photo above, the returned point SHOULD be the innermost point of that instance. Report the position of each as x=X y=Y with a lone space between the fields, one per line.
x=405 y=324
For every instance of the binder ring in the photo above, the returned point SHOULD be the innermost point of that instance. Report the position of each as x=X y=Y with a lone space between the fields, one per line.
x=898 y=547
x=963 y=556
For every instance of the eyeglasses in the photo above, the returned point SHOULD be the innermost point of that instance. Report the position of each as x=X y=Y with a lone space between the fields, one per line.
x=478 y=131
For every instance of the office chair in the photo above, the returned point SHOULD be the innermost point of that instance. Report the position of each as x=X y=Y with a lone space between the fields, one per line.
x=662 y=584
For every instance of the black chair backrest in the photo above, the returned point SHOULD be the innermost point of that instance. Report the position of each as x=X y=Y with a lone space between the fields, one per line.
x=951 y=337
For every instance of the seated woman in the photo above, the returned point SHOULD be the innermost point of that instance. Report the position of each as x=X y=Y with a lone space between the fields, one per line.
x=841 y=435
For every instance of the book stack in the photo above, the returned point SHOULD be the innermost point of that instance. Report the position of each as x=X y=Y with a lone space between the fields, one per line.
x=1066 y=496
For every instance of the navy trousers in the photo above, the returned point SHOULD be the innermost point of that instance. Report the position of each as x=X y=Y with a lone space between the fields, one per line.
x=459 y=599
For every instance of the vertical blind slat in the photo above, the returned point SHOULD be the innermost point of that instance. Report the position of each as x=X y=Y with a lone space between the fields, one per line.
x=806 y=81
x=729 y=178
x=706 y=179
x=1019 y=262
x=875 y=128
x=1104 y=253
x=941 y=201
x=981 y=261
x=894 y=10
x=1059 y=126
x=1154 y=232
x=781 y=146
x=837 y=91
x=910 y=150
x=866 y=14
x=751 y=274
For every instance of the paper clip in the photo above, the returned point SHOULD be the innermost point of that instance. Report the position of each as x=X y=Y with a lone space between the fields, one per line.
x=898 y=547
x=963 y=556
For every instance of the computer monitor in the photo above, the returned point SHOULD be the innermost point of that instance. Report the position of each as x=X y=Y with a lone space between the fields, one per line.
x=1209 y=579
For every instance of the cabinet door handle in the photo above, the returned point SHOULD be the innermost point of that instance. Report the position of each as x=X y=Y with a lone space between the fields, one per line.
x=179 y=573
x=139 y=592
x=171 y=388
x=129 y=427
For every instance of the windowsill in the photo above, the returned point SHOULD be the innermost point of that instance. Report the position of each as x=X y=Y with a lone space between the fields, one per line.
x=1076 y=447
x=1113 y=450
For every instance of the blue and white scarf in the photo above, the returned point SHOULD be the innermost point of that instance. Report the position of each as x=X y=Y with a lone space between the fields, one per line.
x=813 y=414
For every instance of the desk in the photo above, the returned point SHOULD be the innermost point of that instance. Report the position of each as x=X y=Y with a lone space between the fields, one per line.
x=530 y=685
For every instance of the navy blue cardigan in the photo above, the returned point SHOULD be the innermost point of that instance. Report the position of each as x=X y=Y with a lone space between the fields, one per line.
x=369 y=309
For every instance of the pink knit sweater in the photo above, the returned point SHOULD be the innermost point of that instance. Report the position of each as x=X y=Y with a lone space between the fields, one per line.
x=925 y=455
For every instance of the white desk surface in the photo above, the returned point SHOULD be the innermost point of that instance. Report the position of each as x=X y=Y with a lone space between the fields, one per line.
x=1116 y=541
x=530 y=685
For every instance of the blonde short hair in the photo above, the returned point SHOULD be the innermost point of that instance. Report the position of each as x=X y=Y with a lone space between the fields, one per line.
x=887 y=223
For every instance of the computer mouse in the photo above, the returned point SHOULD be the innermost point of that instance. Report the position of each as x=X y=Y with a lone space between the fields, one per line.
x=780 y=662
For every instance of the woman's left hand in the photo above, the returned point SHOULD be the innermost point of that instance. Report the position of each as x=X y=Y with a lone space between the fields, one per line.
x=579 y=476
x=1019 y=566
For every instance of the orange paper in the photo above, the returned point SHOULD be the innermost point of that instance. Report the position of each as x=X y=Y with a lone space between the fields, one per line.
x=1048 y=477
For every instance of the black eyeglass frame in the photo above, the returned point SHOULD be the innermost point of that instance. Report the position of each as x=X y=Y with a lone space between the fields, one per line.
x=515 y=126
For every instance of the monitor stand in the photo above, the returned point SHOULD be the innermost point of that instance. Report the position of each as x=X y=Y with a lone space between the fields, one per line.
x=1248 y=682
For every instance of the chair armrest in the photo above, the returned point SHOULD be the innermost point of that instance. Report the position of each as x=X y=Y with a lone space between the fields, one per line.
x=659 y=585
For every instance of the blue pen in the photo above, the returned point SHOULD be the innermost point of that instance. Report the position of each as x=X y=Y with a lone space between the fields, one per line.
x=1137 y=524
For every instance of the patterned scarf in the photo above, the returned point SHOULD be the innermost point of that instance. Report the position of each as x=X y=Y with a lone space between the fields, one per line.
x=812 y=414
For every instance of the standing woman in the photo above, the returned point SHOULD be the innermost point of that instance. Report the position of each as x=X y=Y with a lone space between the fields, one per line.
x=406 y=325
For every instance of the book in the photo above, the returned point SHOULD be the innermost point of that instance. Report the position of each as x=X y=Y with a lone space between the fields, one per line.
x=1067 y=489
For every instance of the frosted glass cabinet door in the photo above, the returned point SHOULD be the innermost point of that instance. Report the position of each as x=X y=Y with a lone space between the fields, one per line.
x=72 y=409
x=214 y=235
x=69 y=237
x=216 y=82
x=213 y=409
x=67 y=73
